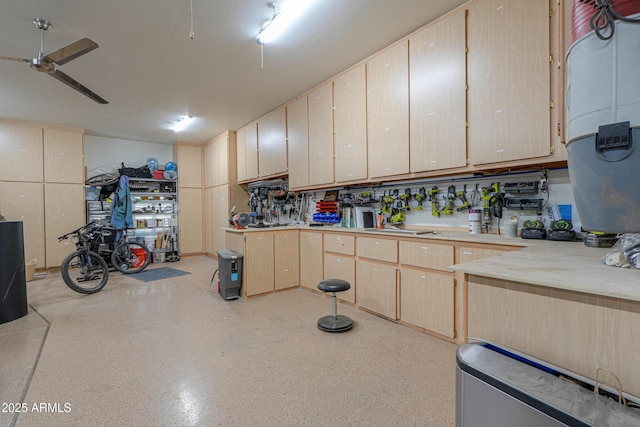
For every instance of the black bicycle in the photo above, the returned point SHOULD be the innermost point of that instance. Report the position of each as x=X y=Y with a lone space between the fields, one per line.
x=97 y=246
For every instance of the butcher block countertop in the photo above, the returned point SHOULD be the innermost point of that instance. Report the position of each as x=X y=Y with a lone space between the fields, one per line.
x=563 y=265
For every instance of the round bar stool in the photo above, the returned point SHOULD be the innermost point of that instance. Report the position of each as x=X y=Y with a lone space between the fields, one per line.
x=334 y=322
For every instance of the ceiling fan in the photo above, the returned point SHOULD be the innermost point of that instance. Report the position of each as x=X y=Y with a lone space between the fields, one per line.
x=45 y=63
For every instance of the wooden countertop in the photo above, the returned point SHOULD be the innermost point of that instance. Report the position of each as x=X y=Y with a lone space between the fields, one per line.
x=563 y=265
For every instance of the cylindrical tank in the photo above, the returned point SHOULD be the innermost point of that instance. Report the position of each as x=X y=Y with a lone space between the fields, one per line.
x=583 y=10
x=603 y=88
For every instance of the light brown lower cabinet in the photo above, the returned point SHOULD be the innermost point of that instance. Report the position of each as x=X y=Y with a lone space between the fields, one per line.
x=376 y=287
x=310 y=259
x=341 y=267
x=258 y=264
x=427 y=300
x=286 y=265
x=270 y=260
x=64 y=205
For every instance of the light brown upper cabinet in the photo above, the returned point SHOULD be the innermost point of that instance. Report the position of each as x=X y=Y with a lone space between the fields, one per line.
x=350 y=125
x=247 y=152
x=298 y=142
x=509 y=80
x=388 y=111
x=321 y=135
x=63 y=156
x=189 y=159
x=272 y=143
x=438 y=96
x=22 y=153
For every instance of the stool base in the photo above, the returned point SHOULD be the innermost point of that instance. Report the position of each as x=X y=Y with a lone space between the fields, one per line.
x=339 y=323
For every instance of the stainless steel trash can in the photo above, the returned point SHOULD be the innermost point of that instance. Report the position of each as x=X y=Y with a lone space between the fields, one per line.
x=230 y=273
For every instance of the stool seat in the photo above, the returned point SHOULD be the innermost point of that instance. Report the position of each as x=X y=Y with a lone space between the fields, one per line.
x=334 y=322
x=334 y=285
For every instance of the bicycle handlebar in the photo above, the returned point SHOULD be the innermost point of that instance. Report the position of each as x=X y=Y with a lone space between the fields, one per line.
x=76 y=231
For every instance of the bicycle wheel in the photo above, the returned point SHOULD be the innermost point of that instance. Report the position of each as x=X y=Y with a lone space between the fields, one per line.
x=103 y=179
x=85 y=272
x=130 y=257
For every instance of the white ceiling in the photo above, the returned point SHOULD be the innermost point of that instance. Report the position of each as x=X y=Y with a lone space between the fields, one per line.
x=152 y=73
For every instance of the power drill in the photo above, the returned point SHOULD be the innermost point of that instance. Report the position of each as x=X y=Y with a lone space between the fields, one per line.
x=433 y=196
x=420 y=197
x=462 y=195
x=387 y=202
x=405 y=197
x=448 y=208
x=487 y=196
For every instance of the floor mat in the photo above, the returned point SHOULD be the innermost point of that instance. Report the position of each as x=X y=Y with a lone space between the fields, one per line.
x=158 y=273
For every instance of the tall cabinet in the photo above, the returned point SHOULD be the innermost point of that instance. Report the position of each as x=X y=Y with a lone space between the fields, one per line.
x=388 y=111
x=221 y=189
x=437 y=58
x=42 y=184
x=509 y=80
x=190 y=197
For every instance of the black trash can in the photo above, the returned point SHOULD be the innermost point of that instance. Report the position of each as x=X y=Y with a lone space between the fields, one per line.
x=230 y=273
x=13 y=284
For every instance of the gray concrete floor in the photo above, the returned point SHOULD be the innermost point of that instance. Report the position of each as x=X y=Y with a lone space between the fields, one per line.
x=173 y=353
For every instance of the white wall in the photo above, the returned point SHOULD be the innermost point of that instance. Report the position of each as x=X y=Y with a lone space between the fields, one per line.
x=559 y=193
x=100 y=152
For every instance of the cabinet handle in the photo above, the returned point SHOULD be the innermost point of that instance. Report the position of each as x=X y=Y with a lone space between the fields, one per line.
x=423 y=277
x=467 y=253
x=424 y=247
x=377 y=243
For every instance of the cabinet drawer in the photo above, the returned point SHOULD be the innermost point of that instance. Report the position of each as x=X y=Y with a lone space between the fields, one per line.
x=339 y=244
x=426 y=255
x=380 y=249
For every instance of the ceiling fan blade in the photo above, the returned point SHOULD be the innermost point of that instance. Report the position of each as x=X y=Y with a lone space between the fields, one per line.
x=11 y=58
x=59 y=75
x=71 y=51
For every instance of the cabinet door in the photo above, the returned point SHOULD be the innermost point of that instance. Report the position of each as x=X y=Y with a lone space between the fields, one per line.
x=310 y=259
x=426 y=254
x=321 y=135
x=350 y=125
x=220 y=217
x=63 y=156
x=388 y=111
x=222 y=164
x=22 y=153
x=210 y=194
x=189 y=159
x=251 y=150
x=471 y=254
x=438 y=132
x=258 y=263
x=64 y=209
x=427 y=300
x=24 y=201
x=342 y=267
x=278 y=155
x=190 y=220
x=265 y=167
x=287 y=266
x=241 y=154
x=209 y=164
x=509 y=80
x=339 y=243
x=298 y=143
x=380 y=249
x=376 y=288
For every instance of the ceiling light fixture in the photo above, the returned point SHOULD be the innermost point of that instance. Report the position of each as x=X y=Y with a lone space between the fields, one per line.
x=282 y=18
x=182 y=124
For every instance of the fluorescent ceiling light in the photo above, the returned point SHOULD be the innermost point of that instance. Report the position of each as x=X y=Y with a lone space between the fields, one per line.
x=282 y=19
x=182 y=124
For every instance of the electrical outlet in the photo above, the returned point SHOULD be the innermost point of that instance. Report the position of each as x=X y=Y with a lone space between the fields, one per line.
x=543 y=185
